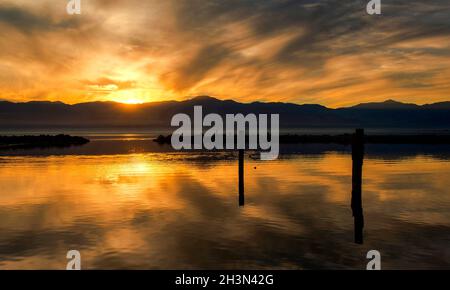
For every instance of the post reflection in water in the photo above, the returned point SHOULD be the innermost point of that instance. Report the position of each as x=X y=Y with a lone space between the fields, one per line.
x=241 y=178
x=357 y=158
x=356 y=201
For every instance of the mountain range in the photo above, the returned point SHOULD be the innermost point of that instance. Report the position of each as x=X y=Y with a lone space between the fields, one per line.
x=388 y=114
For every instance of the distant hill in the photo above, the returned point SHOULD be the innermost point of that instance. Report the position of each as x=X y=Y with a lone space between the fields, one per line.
x=389 y=104
x=158 y=114
x=396 y=114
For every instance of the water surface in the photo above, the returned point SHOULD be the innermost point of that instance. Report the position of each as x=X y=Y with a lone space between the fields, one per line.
x=140 y=206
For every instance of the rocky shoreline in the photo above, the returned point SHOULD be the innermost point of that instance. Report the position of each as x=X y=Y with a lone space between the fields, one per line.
x=40 y=141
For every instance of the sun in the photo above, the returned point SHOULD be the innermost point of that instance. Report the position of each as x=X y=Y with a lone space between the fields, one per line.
x=131 y=101
x=130 y=97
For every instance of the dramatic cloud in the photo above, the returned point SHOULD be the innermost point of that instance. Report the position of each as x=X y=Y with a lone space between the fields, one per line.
x=304 y=51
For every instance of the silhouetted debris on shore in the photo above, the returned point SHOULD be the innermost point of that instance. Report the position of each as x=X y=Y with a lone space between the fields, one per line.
x=41 y=141
x=346 y=139
x=163 y=139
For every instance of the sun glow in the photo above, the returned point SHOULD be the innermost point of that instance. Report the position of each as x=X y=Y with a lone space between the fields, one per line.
x=130 y=101
x=130 y=97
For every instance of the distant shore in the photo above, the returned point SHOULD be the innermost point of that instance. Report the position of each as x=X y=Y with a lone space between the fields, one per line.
x=346 y=139
x=62 y=140
x=40 y=141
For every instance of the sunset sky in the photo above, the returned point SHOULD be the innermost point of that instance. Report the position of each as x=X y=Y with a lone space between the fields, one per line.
x=326 y=52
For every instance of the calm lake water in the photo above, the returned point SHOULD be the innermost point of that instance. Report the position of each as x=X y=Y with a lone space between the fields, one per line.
x=125 y=202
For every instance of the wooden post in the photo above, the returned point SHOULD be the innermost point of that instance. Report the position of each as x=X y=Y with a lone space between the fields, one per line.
x=357 y=157
x=241 y=178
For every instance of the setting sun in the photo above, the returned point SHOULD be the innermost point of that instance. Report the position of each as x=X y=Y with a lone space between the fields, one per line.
x=130 y=101
x=131 y=97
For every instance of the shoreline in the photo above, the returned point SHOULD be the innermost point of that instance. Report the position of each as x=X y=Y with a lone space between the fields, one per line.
x=40 y=141
x=346 y=139
x=64 y=140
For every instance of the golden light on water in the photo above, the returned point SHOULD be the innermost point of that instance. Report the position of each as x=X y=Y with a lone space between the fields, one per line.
x=142 y=211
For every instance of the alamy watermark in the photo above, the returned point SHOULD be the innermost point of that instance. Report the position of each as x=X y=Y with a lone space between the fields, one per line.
x=373 y=7
x=375 y=260
x=73 y=7
x=233 y=130
x=74 y=257
x=74 y=262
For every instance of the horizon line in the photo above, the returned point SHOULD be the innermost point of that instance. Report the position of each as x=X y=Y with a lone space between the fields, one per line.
x=191 y=98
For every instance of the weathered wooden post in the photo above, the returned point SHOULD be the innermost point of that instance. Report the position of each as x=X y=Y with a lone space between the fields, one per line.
x=241 y=178
x=357 y=157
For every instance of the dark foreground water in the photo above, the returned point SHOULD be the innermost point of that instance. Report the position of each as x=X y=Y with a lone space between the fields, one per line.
x=125 y=202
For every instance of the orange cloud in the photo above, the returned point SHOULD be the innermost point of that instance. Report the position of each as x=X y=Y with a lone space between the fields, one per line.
x=329 y=53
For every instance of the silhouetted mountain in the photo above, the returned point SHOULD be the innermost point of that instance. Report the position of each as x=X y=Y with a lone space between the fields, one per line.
x=389 y=104
x=438 y=106
x=158 y=114
x=396 y=114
